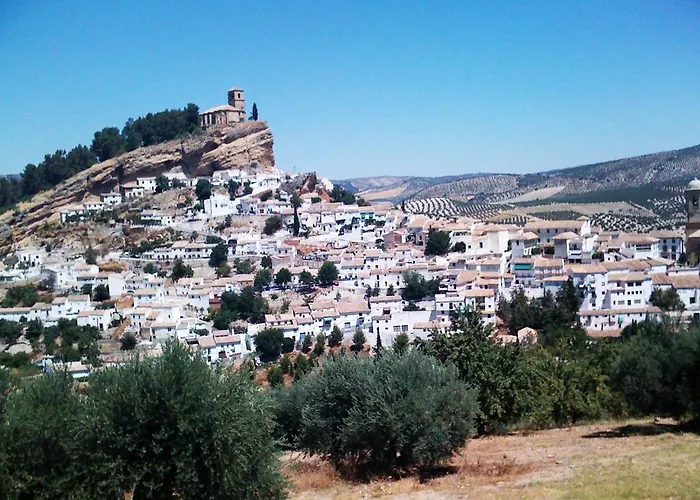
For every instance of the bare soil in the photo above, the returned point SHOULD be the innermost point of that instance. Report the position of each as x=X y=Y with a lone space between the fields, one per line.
x=634 y=459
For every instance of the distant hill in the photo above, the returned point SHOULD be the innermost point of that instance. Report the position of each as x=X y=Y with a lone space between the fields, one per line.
x=664 y=170
x=395 y=188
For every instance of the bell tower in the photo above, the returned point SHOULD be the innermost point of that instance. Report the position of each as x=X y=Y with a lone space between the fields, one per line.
x=692 y=207
x=236 y=98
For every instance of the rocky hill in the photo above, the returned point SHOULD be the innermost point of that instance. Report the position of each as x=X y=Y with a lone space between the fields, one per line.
x=246 y=145
x=665 y=169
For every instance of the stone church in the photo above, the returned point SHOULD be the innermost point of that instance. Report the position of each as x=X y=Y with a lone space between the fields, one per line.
x=692 y=228
x=226 y=114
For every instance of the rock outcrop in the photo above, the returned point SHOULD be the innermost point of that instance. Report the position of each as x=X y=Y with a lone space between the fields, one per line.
x=245 y=145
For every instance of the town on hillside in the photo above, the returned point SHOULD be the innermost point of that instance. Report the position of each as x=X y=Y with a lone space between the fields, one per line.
x=212 y=261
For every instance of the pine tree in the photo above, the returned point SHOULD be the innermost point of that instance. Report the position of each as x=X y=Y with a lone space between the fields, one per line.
x=378 y=346
x=254 y=113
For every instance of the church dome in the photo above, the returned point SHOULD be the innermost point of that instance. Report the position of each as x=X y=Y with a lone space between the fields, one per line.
x=694 y=184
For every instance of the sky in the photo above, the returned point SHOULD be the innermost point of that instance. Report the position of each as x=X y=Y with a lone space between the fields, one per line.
x=364 y=87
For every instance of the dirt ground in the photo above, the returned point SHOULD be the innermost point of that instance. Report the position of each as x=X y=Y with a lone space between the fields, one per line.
x=634 y=459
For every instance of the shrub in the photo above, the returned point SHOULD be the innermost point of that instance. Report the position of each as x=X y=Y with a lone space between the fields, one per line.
x=411 y=411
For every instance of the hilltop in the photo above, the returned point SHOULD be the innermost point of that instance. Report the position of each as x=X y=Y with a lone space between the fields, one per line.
x=664 y=169
x=245 y=145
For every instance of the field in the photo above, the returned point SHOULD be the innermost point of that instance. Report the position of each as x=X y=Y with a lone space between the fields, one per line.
x=633 y=460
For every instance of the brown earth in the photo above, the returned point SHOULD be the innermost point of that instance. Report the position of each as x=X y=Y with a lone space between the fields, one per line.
x=636 y=459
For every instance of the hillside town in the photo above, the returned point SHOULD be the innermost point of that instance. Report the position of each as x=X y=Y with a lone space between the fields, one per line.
x=321 y=259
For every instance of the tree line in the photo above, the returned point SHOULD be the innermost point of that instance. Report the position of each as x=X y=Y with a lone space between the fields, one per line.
x=107 y=143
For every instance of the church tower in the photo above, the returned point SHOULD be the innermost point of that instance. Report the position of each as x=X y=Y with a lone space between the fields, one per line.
x=692 y=206
x=236 y=98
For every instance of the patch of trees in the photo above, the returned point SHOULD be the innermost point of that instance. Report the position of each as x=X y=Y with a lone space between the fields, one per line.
x=340 y=195
x=21 y=295
x=124 y=437
x=272 y=225
x=416 y=287
x=438 y=243
x=249 y=305
x=327 y=274
x=667 y=300
x=545 y=314
x=107 y=143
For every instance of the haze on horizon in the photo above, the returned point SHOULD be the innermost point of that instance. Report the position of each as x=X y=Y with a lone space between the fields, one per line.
x=364 y=88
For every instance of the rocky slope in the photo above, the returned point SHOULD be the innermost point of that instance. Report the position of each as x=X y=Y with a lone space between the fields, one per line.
x=246 y=145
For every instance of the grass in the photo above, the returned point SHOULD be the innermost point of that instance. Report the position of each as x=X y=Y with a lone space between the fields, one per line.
x=630 y=460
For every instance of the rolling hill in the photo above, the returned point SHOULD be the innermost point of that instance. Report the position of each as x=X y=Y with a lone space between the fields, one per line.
x=605 y=181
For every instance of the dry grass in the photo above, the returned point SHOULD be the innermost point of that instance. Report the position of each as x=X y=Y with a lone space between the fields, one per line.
x=636 y=459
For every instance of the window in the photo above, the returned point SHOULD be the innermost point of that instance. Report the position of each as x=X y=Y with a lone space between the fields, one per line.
x=397 y=329
x=692 y=300
x=404 y=328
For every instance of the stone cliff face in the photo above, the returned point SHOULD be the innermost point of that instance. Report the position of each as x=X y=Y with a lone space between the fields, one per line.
x=200 y=155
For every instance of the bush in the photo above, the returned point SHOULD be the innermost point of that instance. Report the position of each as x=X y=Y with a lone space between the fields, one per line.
x=411 y=412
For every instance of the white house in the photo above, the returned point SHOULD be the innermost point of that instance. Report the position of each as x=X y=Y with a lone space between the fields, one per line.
x=99 y=318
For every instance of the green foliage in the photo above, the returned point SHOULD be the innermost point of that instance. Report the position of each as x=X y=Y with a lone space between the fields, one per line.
x=180 y=270
x=128 y=342
x=340 y=195
x=275 y=375
x=306 y=344
x=100 y=293
x=527 y=386
x=232 y=188
x=272 y=225
x=263 y=278
x=667 y=300
x=108 y=143
x=10 y=331
x=218 y=256
x=283 y=277
x=90 y=256
x=335 y=338
x=320 y=346
x=390 y=292
x=460 y=246
x=659 y=369
x=173 y=427
x=224 y=270
x=401 y=343
x=162 y=184
x=358 y=341
x=546 y=312
x=306 y=278
x=266 y=262
x=242 y=266
x=438 y=243
x=150 y=268
x=24 y=295
x=202 y=190
x=268 y=344
x=378 y=415
x=247 y=306
x=416 y=287
x=327 y=274
x=254 y=113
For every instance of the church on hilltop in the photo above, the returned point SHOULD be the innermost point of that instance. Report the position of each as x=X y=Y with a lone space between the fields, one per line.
x=226 y=114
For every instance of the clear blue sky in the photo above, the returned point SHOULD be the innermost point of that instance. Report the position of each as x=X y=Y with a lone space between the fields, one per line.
x=365 y=87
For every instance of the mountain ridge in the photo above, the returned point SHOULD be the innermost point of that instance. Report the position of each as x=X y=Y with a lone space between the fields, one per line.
x=671 y=167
